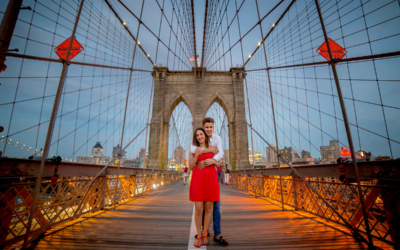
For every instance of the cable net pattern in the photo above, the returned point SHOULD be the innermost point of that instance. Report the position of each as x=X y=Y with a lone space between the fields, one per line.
x=277 y=46
x=292 y=100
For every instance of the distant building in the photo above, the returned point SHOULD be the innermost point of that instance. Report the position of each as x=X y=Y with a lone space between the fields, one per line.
x=305 y=154
x=96 y=157
x=97 y=150
x=296 y=155
x=135 y=163
x=179 y=155
x=329 y=154
x=287 y=154
x=271 y=157
x=382 y=158
x=116 y=151
x=303 y=161
x=171 y=164
x=361 y=154
x=142 y=152
x=250 y=156
x=258 y=158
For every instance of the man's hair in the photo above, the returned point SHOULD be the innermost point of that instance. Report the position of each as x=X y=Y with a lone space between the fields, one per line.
x=208 y=119
x=196 y=142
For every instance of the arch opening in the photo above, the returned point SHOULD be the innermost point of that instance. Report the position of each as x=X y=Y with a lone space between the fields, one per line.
x=180 y=136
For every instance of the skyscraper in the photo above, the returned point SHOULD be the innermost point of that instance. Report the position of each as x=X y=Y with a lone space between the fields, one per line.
x=142 y=152
x=331 y=153
x=96 y=157
x=116 y=151
x=287 y=154
x=271 y=155
x=305 y=154
x=97 y=150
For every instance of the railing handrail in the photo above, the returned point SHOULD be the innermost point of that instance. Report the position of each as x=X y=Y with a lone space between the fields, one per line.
x=17 y=168
x=387 y=169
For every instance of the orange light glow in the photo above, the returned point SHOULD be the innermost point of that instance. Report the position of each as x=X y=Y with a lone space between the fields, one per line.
x=345 y=152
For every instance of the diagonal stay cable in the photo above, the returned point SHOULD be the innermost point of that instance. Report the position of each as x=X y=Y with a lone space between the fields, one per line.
x=270 y=31
x=144 y=25
x=241 y=38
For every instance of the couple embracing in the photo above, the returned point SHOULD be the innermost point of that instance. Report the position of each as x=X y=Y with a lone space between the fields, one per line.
x=205 y=153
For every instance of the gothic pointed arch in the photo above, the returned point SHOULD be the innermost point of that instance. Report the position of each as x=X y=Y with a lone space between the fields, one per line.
x=174 y=104
x=226 y=109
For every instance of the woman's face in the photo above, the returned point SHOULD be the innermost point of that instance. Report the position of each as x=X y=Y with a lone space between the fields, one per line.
x=200 y=136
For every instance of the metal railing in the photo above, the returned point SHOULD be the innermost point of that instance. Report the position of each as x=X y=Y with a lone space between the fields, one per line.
x=16 y=193
x=381 y=194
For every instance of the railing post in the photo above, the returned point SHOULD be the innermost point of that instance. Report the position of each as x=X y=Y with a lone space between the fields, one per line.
x=103 y=191
x=51 y=128
x=294 y=178
x=347 y=126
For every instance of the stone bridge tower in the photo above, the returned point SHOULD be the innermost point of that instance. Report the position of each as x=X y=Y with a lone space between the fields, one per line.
x=198 y=89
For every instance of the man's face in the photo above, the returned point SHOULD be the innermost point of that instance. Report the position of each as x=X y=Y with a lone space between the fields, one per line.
x=209 y=128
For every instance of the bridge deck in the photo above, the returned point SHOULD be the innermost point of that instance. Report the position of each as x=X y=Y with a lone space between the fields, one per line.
x=163 y=219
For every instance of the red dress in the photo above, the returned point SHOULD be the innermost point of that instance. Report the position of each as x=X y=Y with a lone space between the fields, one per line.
x=204 y=185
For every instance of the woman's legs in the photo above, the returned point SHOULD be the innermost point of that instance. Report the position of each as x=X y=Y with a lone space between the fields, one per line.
x=208 y=206
x=198 y=214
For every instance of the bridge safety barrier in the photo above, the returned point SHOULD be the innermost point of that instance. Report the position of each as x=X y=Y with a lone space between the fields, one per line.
x=381 y=194
x=17 y=192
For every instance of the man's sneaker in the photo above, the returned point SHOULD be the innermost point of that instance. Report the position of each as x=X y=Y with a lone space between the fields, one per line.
x=221 y=240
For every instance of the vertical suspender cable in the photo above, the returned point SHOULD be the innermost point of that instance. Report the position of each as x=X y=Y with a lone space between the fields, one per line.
x=126 y=106
x=245 y=81
x=273 y=111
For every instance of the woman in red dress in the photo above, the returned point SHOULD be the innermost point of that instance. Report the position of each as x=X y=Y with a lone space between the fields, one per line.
x=204 y=186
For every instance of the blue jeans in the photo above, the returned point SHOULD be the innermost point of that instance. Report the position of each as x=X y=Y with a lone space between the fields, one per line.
x=220 y=177
x=216 y=217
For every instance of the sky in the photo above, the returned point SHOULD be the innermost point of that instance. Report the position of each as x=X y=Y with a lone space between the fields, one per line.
x=306 y=105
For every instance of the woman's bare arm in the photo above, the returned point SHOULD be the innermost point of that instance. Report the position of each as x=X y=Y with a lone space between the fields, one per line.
x=193 y=159
x=211 y=149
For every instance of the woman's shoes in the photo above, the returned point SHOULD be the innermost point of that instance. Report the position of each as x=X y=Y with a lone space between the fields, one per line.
x=203 y=240
x=199 y=242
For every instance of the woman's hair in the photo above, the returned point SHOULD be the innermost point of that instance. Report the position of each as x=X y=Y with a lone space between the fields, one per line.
x=196 y=143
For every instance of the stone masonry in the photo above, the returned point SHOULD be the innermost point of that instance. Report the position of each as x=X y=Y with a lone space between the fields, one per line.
x=198 y=89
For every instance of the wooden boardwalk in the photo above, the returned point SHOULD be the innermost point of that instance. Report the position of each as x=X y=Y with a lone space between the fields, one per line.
x=162 y=220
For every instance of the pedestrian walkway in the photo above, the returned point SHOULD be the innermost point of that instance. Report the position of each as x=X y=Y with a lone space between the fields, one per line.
x=162 y=220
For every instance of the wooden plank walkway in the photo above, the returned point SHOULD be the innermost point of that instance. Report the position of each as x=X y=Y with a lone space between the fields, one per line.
x=162 y=220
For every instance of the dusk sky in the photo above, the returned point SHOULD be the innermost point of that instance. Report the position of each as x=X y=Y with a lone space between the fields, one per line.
x=307 y=109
